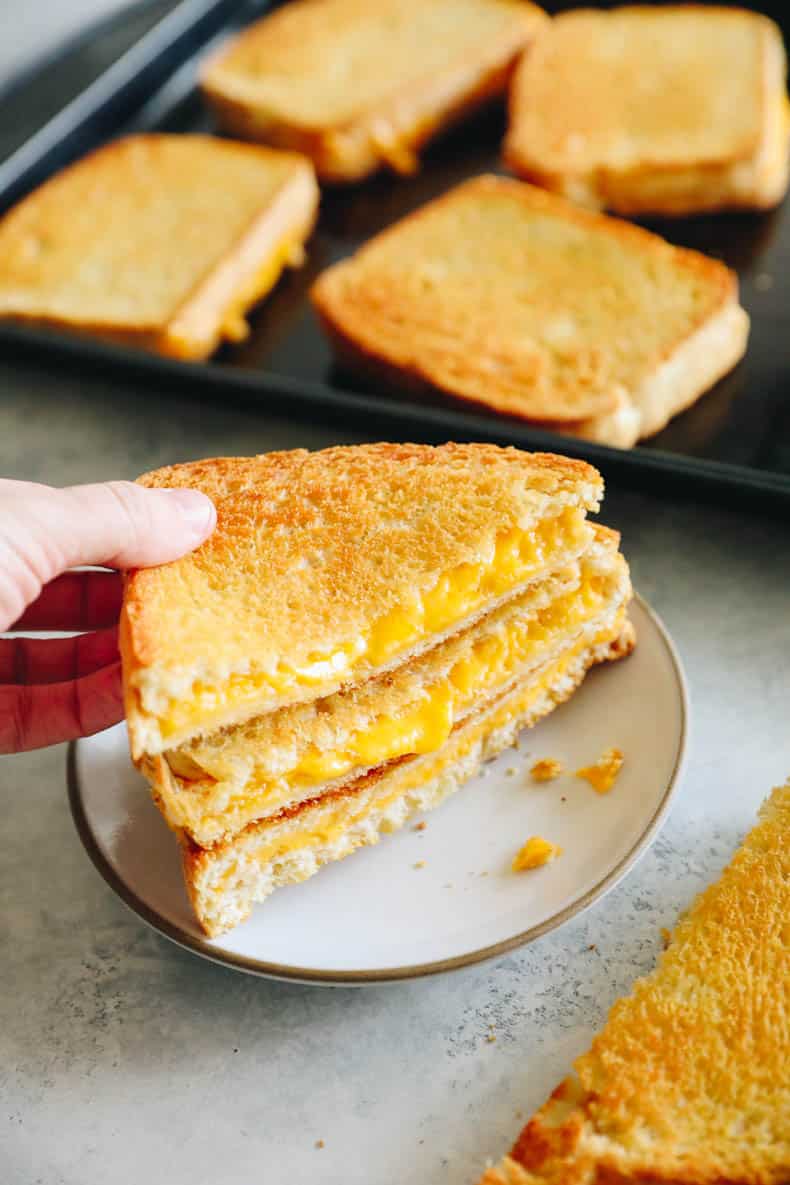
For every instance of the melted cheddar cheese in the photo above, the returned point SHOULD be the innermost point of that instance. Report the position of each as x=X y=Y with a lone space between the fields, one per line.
x=774 y=161
x=492 y=661
x=603 y=773
x=536 y=852
x=197 y=332
x=332 y=823
x=234 y=326
x=518 y=555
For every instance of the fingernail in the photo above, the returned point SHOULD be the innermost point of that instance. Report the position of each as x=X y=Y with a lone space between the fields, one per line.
x=197 y=510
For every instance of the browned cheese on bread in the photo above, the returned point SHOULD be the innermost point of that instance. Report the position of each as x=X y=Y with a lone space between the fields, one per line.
x=356 y=85
x=669 y=109
x=502 y=295
x=688 y=1082
x=157 y=241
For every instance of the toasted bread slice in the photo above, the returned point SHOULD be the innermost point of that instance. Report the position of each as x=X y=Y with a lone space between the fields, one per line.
x=157 y=241
x=329 y=567
x=688 y=1081
x=663 y=110
x=216 y=785
x=356 y=85
x=503 y=295
x=225 y=881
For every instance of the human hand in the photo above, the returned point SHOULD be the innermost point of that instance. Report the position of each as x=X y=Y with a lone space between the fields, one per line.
x=59 y=688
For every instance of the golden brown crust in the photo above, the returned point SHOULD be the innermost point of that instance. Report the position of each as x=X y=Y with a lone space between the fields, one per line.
x=310 y=548
x=425 y=64
x=665 y=110
x=688 y=1080
x=461 y=297
x=137 y=244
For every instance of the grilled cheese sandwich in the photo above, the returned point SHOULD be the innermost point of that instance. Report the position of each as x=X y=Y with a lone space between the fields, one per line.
x=385 y=600
x=462 y=589
x=356 y=86
x=688 y=1080
x=226 y=880
x=214 y=786
x=503 y=295
x=518 y=556
x=162 y=242
x=654 y=110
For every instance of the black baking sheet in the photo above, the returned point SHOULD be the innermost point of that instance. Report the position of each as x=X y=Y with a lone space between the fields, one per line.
x=138 y=71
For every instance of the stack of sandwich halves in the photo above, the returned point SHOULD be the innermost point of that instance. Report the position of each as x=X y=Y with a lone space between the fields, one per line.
x=364 y=628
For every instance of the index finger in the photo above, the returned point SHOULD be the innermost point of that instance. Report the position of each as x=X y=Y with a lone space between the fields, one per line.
x=75 y=601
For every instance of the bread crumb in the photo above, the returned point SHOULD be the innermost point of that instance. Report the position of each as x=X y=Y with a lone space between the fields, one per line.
x=484 y=873
x=510 y=771
x=420 y=826
x=592 y=946
x=546 y=770
x=763 y=282
x=420 y=864
x=602 y=775
x=563 y=798
x=491 y=1037
x=535 y=853
x=320 y=1144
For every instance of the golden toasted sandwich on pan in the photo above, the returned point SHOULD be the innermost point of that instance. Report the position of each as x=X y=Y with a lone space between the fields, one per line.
x=502 y=295
x=668 y=109
x=157 y=241
x=366 y=625
x=356 y=85
x=688 y=1081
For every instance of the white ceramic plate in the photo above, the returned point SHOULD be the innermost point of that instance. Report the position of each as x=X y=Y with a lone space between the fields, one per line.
x=377 y=915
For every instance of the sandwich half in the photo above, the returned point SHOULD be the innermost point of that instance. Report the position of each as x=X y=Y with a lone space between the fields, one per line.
x=330 y=567
x=157 y=241
x=502 y=295
x=662 y=110
x=688 y=1081
x=365 y=627
x=356 y=86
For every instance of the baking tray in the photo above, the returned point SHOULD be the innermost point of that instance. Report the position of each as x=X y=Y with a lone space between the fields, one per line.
x=138 y=71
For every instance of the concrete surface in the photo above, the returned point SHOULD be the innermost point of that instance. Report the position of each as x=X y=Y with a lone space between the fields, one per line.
x=125 y=1060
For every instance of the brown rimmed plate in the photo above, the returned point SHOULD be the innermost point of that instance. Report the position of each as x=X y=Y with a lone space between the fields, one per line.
x=433 y=900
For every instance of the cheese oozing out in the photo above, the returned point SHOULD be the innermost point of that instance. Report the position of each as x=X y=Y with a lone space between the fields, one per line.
x=776 y=157
x=517 y=557
x=289 y=253
x=323 y=824
x=490 y=663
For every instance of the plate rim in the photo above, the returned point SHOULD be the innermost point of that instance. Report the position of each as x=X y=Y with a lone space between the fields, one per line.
x=327 y=977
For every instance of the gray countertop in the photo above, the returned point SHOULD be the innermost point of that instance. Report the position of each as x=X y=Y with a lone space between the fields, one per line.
x=123 y=1059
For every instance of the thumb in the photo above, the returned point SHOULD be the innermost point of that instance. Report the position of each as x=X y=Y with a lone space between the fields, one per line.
x=44 y=531
x=124 y=525
x=117 y=523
